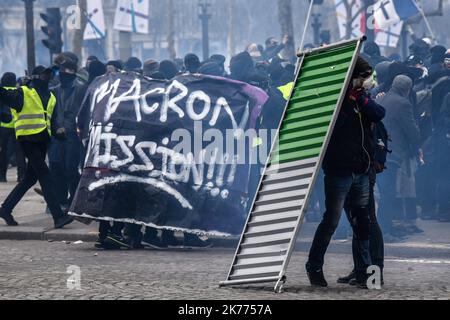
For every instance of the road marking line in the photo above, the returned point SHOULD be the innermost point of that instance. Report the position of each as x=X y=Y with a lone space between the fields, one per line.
x=424 y=261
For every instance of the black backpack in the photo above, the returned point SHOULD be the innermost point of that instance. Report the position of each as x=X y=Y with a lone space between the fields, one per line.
x=382 y=140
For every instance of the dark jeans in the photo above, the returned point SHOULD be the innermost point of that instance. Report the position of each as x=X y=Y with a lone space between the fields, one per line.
x=64 y=157
x=339 y=190
x=376 y=242
x=391 y=207
x=10 y=145
x=37 y=170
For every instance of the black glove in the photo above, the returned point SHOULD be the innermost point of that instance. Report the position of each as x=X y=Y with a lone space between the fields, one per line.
x=6 y=117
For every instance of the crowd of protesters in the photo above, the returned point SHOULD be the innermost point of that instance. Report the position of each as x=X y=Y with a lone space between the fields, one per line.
x=263 y=67
x=415 y=94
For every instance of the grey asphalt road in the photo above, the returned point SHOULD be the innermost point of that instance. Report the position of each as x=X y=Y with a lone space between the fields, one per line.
x=39 y=270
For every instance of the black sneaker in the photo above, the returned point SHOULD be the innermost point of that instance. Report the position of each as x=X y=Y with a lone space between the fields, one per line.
x=105 y=244
x=117 y=242
x=316 y=278
x=347 y=279
x=153 y=242
x=194 y=242
x=358 y=284
x=63 y=221
x=9 y=219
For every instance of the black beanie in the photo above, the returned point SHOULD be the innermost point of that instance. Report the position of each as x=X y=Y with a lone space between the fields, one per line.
x=133 y=64
x=168 y=69
x=9 y=79
x=116 y=64
x=192 y=62
x=96 y=69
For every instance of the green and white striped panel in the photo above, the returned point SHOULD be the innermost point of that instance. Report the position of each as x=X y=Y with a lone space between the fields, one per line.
x=277 y=212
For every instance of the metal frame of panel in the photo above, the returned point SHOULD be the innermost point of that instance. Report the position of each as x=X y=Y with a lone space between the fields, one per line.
x=269 y=259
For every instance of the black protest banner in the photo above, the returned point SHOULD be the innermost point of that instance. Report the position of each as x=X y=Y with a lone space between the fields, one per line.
x=169 y=155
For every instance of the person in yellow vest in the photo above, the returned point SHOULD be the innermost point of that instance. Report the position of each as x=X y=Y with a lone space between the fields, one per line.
x=9 y=144
x=286 y=90
x=35 y=105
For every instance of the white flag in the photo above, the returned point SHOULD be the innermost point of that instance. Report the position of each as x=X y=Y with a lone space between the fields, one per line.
x=388 y=12
x=358 y=23
x=132 y=16
x=95 y=27
x=389 y=37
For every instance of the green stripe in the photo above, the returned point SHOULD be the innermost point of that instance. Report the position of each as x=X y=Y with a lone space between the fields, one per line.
x=312 y=105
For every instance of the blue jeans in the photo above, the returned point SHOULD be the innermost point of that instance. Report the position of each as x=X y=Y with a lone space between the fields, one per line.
x=64 y=157
x=356 y=190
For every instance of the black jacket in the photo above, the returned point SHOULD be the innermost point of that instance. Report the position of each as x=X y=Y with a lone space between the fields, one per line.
x=69 y=104
x=351 y=148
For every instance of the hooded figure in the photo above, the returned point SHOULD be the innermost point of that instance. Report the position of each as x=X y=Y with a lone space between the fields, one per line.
x=405 y=135
x=400 y=120
x=241 y=66
x=372 y=50
x=96 y=69
x=382 y=73
x=192 y=63
x=168 y=69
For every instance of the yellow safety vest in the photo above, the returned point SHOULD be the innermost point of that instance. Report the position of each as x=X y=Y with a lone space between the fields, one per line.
x=10 y=125
x=286 y=90
x=33 y=118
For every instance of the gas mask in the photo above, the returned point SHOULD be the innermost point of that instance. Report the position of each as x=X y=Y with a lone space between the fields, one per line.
x=368 y=84
x=42 y=81
x=358 y=83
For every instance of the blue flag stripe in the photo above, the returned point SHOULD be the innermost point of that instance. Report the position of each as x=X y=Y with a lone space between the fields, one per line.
x=405 y=8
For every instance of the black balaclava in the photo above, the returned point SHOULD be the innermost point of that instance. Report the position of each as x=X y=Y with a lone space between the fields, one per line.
x=41 y=78
x=67 y=79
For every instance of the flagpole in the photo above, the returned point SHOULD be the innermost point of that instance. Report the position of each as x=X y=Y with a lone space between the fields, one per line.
x=425 y=19
x=298 y=65
x=307 y=24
